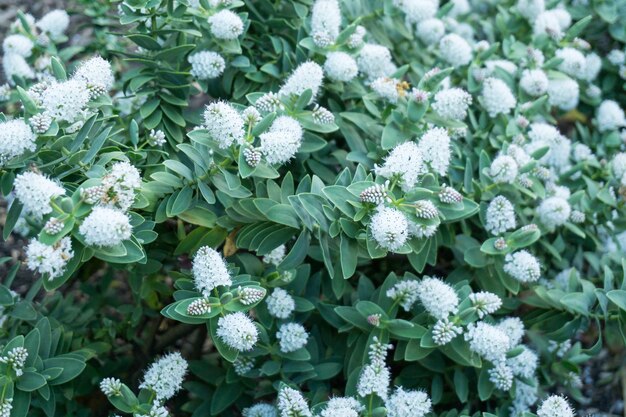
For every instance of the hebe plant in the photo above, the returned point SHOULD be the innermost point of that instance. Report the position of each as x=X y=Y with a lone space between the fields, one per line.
x=399 y=208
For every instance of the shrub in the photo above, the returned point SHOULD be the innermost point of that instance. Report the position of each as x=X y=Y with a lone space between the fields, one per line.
x=297 y=208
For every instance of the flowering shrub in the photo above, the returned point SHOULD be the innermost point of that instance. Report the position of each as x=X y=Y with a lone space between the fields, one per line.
x=398 y=208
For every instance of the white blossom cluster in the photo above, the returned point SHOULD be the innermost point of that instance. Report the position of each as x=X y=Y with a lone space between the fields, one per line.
x=291 y=337
x=280 y=303
x=209 y=270
x=522 y=266
x=282 y=141
x=105 y=227
x=375 y=376
x=16 y=137
x=35 y=191
x=237 y=331
x=224 y=123
x=389 y=227
x=206 y=65
x=165 y=376
x=49 y=260
x=405 y=161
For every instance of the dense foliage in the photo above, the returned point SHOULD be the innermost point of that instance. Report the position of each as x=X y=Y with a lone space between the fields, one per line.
x=312 y=208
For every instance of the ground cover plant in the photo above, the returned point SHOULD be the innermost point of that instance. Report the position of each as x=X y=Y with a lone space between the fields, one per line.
x=298 y=208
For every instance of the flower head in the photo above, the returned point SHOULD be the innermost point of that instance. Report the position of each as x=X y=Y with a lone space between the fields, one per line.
x=206 y=65
x=452 y=103
x=342 y=407
x=111 y=387
x=237 y=331
x=437 y=297
x=226 y=25
x=435 y=149
x=224 y=123
x=49 y=259
x=485 y=303
x=35 y=192
x=404 y=161
x=106 y=226
x=165 y=376
x=534 y=82
x=487 y=341
x=18 y=44
x=280 y=303
x=16 y=137
x=375 y=61
x=96 y=73
x=291 y=403
x=66 y=101
x=405 y=293
x=514 y=328
x=497 y=97
x=430 y=31
x=563 y=93
x=500 y=216
x=389 y=227
x=555 y=406
x=408 y=403
x=610 y=116
x=444 y=331
x=307 y=76
x=501 y=376
x=16 y=65
x=260 y=410
x=503 y=169
x=522 y=266
x=340 y=66
x=525 y=364
x=209 y=270
x=54 y=23
x=325 y=22
x=291 y=337
x=282 y=141
x=455 y=50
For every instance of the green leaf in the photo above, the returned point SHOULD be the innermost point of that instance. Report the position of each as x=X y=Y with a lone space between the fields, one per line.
x=57 y=69
x=348 y=256
x=144 y=41
x=12 y=217
x=72 y=367
x=30 y=381
x=618 y=297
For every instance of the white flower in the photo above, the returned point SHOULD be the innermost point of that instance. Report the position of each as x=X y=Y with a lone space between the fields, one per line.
x=514 y=328
x=461 y=7
x=547 y=23
x=485 y=303
x=96 y=72
x=375 y=61
x=563 y=93
x=530 y=9
x=534 y=82
x=430 y=31
x=438 y=298
x=120 y=185
x=280 y=304
x=618 y=164
x=291 y=337
x=340 y=66
x=5 y=407
x=375 y=376
x=525 y=364
x=616 y=57
x=555 y=406
x=292 y=404
x=444 y=331
x=35 y=192
x=497 y=97
x=593 y=65
x=281 y=142
x=54 y=23
x=165 y=376
x=111 y=386
x=49 y=260
x=487 y=341
x=422 y=230
x=226 y=25
x=408 y=403
x=307 y=76
x=209 y=270
x=18 y=44
x=452 y=103
x=574 y=63
x=387 y=88
x=542 y=135
x=500 y=216
x=562 y=16
x=276 y=256
x=260 y=410
x=356 y=39
x=554 y=211
x=501 y=376
x=325 y=22
x=342 y=407
x=389 y=227
x=405 y=293
x=522 y=266
x=16 y=137
x=435 y=149
x=503 y=169
x=610 y=116
x=238 y=331
x=206 y=65
x=455 y=50
x=418 y=10
x=224 y=123
x=156 y=138
x=322 y=116
x=16 y=65
x=16 y=359
x=65 y=101
x=404 y=161
x=106 y=227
